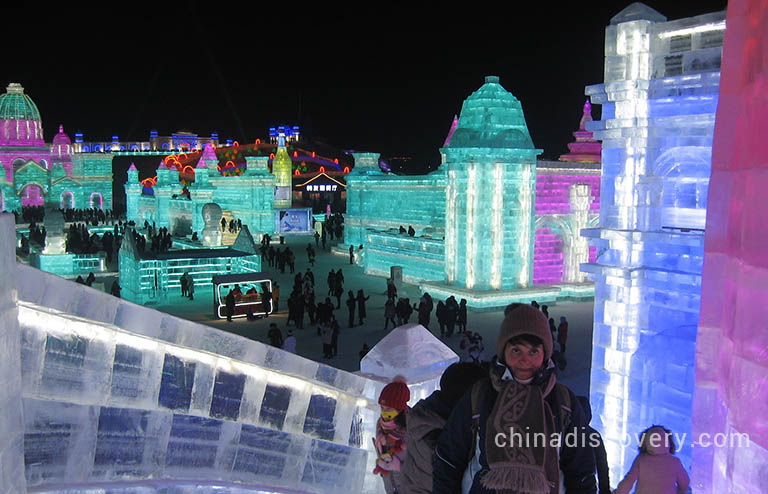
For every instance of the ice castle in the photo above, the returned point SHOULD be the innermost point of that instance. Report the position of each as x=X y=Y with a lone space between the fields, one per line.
x=493 y=224
x=249 y=197
x=37 y=174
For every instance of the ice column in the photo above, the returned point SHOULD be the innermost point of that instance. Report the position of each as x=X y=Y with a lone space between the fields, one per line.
x=732 y=351
x=659 y=99
x=577 y=248
x=12 y=480
x=360 y=199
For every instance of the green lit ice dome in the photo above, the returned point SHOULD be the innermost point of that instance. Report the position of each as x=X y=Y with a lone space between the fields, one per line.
x=491 y=118
x=15 y=105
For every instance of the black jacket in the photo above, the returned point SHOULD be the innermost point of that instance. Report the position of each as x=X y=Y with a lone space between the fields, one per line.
x=577 y=464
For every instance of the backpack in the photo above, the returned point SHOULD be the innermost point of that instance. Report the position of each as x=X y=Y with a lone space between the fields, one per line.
x=562 y=398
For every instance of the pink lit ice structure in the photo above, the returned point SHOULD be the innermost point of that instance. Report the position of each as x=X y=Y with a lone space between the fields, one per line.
x=586 y=149
x=732 y=349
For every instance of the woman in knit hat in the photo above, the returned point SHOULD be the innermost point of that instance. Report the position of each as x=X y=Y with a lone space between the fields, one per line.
x=390 y=440
x=517 y=431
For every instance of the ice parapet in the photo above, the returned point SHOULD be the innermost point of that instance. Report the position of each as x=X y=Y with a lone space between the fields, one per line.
x=119 y=396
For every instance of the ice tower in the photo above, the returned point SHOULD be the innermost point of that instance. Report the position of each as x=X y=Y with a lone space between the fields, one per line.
x=282 y=168
x=490 y=164
x=731 y=359
x=658 y=111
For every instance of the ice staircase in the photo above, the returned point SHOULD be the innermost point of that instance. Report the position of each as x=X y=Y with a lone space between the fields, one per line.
x=116 y=397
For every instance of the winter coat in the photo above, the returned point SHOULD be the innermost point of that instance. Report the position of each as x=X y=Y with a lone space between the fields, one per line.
x=361 y=306
x=577 y=464
x=656 y=472
x=562 y=333
x=425 y=423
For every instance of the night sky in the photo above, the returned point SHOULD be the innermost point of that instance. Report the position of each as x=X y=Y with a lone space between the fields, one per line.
x=387 y=80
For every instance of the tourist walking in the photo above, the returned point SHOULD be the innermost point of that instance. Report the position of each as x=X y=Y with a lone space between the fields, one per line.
x=361 y=313
x=389 y=313
x=461 y=316
x=440 y=315
x=351 y=304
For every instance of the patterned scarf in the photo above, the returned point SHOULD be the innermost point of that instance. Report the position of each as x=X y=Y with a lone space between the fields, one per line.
x=527 y=464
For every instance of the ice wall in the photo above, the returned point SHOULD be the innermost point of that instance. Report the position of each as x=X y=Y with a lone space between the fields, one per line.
x=379 y=201
x=656 y=128
x=11 y=419
x=121 y=398
x=732 y=350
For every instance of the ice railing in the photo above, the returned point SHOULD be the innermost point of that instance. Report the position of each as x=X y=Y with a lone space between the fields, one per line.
x=116 y=393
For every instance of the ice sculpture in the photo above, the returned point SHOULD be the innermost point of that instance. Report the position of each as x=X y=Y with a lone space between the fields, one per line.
x=659 y=99
x=732 y=349
x=248 y=197
x=54 y=231
x=11 y=419
x=282 y=167
x=211 y=229
x=413 y=352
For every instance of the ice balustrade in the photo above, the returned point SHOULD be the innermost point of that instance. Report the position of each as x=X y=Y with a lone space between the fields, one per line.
x=115 y=392
x=731 y=365
x=125 y=398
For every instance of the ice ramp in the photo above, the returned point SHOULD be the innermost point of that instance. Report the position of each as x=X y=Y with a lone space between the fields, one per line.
x=119 y=398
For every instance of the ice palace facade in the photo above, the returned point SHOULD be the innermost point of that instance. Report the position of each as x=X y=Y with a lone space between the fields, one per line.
x=106 y=396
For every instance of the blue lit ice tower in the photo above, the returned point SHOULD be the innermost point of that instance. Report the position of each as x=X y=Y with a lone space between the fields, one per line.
x=658 y=110
x=491 y=178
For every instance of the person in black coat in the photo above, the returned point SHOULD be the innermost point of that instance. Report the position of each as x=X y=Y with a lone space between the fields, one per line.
x=351 y=304
x=451 y=313
x=230 y=305
x=601 y=457
x=361 y=313
x=520 y=395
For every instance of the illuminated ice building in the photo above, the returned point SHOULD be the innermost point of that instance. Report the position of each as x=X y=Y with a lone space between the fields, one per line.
x=493 y=224
x=658 y=102
x=36 y=173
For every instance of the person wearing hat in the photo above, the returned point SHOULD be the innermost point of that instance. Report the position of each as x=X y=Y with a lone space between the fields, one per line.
x=517 y=431
x=390 y=441
x=426 y=420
